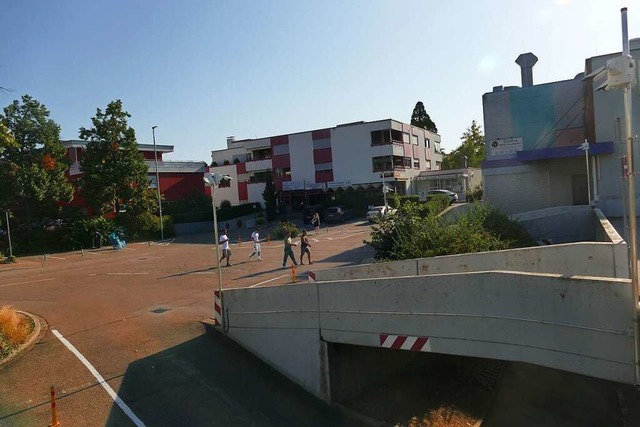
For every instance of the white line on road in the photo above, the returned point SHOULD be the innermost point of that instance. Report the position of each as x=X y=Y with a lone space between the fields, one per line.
x=55 y=257
x=24 y=283
x=101 y=380
x=267 y=281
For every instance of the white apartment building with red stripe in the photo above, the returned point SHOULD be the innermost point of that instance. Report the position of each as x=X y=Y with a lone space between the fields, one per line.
x=307 y=166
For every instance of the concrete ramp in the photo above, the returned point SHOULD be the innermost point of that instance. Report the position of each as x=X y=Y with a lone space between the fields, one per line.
x=578 y=324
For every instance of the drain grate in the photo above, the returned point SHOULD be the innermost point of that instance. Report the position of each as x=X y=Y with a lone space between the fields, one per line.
x=160 y=310
x=488 y=372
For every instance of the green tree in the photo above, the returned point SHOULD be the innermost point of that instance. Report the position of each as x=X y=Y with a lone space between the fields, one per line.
x=472 y=150
x=113 y=168
x=270 y=195
x=32 y=160
x=420 y=118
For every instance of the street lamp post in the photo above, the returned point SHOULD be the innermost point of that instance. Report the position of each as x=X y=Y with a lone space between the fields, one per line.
x=155 y=160
x=213 y=180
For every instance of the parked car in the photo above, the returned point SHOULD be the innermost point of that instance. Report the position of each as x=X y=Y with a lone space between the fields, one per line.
x=308 y=211
x=338 y=214
x=453 y=197
x=379 y=212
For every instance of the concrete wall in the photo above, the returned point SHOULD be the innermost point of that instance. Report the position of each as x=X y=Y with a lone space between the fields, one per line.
x=587 y=259
x=536 y=318
x=577 y=324
x=280 y=325
x=560 y=224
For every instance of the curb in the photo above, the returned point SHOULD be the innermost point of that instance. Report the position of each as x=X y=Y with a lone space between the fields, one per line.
x=40 y=328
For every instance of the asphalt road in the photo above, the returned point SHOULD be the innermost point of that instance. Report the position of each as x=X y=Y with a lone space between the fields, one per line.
x=135 y=316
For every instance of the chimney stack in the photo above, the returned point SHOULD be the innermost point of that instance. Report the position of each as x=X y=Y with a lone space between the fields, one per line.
x=526 y=61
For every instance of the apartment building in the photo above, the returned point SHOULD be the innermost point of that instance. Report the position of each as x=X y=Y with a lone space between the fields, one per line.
x=307 y=167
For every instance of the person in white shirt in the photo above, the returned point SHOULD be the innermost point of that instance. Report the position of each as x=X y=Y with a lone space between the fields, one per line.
x=255 y=236
x=226 y=251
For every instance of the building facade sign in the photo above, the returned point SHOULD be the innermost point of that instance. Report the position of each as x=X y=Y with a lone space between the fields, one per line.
x=500 y=146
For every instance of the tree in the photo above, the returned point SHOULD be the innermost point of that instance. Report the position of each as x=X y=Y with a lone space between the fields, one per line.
x=472 y=148
x=32 y=160
x=113 y=168
x=270 y=195
x=420 y=118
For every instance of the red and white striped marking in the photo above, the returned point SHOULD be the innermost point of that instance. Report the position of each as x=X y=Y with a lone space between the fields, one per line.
x=217 y=308
x=404 y=342
x=311 y=276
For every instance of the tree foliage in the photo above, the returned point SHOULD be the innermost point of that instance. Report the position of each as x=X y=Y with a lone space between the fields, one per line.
x=270 y=195
x=32 y=160
x=420 y=118
x=472 y=148
x=113 y=168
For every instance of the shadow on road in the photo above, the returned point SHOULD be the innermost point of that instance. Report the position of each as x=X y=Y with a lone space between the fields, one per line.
x=210 y=381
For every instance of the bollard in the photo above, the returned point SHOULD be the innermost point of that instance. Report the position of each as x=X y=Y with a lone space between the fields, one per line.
x=54 y=414
x=82 y=251
x=293 y=272
x=239 y=240
x=268 y=239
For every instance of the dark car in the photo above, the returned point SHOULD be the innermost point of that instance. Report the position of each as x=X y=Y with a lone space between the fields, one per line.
x=308 y=211
x=337 y=214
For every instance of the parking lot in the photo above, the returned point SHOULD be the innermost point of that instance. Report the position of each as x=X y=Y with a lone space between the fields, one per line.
x=135 y=317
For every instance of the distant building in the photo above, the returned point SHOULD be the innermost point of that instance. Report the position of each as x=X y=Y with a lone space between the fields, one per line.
x=532 y=137
x=460 y=181
x=177 y=179
x=308 y=166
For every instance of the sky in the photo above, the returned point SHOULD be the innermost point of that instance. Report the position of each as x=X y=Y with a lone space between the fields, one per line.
x=205 y=70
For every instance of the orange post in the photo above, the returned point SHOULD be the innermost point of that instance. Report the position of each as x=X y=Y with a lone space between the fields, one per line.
x=293 y=272
x=239 y=239
x=268 y=239
x=54 y=414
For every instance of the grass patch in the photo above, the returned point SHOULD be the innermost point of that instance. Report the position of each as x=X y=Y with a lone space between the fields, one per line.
x=14 y=330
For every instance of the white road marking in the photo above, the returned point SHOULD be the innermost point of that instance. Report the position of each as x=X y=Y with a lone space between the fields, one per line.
x=267 y=281
x=55 y=257
x=101 y=380
x=24 y=283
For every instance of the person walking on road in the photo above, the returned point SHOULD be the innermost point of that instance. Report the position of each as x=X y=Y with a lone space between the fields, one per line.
x=304 y=248
x=226 y=251
x=288 y=251
x=255 y=236
x=315 y=220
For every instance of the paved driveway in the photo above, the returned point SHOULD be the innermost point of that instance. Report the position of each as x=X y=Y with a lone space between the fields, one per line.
x=135 y=317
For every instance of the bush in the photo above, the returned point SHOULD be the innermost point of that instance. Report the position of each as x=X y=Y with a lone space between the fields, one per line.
x=14 y=330
x=475 y=194
x=417 y=232
x=282 y=229
x=79 y=234
x=145 y=226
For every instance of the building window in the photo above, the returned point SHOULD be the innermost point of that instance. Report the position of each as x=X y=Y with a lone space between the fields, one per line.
x=261 y=154
x=323 y=143
x=406 y=162
x=416 y=164
x=427 y=142
x=405 y=138
x=382 y=163
x=380 y=137
x=438 y=165
x=224 y=183
x=414 y=139
x=436 y=147
x=428 y=164
x=280 y=149
x=323 y=166
x=260 y=176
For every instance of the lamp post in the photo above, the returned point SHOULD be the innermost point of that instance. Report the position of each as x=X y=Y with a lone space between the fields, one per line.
x=213 y=180
x=155 y=160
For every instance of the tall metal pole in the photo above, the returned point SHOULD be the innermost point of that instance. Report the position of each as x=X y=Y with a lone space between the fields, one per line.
x=633 y=252
x=155 y=160
x=6 y=214
x=217 y=242
x=586 y=157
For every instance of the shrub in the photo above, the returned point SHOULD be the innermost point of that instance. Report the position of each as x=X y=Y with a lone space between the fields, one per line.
x=79 y=234
x=14 y=330
x=145 y=226
x=282 y=229
x=225 y=204
x=417 y=232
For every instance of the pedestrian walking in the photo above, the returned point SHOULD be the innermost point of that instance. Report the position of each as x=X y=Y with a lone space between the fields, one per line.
x=304 y=248
x=255 y=237
x=288 y=251
x=315 y=220
x=226 y=250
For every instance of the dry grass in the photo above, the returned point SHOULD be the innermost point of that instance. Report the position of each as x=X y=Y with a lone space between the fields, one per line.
x=443 y=417
x=14 y=328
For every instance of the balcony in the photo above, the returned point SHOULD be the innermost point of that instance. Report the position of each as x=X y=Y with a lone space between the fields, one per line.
x=258 y=165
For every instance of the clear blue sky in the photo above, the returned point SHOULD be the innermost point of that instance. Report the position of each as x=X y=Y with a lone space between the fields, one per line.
x=204 y=70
